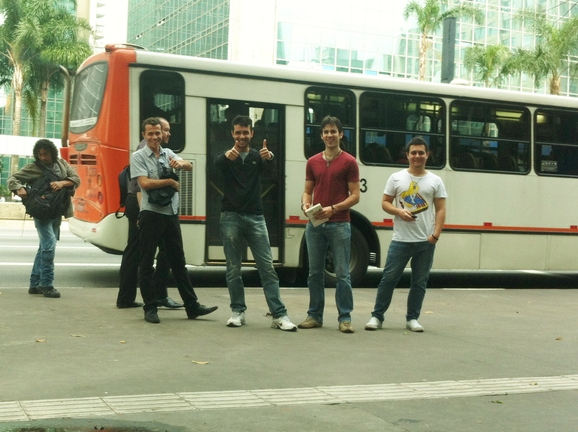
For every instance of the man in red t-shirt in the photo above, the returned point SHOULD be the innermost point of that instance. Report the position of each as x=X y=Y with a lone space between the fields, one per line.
x=332 y=181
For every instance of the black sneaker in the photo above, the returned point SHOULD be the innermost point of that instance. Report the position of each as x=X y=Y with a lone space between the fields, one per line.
x=33 y=290
x=48 y=291
x=201 y=310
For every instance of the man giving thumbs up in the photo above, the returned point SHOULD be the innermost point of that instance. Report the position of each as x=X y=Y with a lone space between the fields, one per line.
x=243 y=222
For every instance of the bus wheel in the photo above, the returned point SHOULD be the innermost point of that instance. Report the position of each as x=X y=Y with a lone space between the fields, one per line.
x=358 y=262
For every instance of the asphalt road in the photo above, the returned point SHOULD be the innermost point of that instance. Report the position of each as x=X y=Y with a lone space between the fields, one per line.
x=80 y=264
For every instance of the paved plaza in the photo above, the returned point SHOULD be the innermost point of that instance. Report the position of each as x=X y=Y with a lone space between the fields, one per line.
x=489 y=360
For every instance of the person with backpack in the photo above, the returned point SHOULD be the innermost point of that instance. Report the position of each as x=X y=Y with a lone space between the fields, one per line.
x=158 y=220
x=128 y=274
x=39 y=184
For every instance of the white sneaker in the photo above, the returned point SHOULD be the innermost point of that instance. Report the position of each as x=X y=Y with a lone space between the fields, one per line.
x=373 y=324
x=237 y=320
x=283 y=323
x=414 y=326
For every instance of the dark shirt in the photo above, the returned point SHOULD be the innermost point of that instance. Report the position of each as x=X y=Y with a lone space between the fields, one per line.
x=242 y=182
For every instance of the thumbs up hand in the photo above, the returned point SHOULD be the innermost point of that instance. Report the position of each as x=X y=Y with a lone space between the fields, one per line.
x=234 y=152
x=264 y=152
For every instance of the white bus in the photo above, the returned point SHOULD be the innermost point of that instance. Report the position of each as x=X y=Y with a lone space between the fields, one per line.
x=509 y=160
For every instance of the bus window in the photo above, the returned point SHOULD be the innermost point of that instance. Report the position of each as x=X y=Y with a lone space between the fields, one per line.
x=486 y=137
x=556 y=143
x=162 y=94
x=421 y=123
x=321 y=102
x=89 y=88
x=390 y=120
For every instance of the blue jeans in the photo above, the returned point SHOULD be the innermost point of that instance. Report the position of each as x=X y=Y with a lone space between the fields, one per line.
x=43 y=269
x=398 y=255
x=237 y=231
x=336 y=235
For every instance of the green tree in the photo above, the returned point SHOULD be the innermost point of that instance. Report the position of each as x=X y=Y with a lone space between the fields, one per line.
x=549 y=59
x=30 y=36
x=430 y=17
x=487 y=63
x=18 y=47
x=65 y=42
x=5 y=71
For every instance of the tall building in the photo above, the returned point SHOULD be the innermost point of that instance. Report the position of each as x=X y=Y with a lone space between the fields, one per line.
x=363 y=36
x=108 y=18
x=196 y=28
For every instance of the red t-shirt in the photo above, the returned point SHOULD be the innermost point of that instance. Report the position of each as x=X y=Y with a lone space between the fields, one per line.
x=331 y=181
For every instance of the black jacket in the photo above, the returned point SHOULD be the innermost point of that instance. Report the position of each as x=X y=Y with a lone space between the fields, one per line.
x=242 y=182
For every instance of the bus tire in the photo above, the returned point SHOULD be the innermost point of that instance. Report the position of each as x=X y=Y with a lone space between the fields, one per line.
x=358 y=262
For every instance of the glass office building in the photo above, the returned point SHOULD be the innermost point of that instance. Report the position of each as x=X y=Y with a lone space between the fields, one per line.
x=363 y=36
x=372 y=37
x=195 y=28
x=54 y=115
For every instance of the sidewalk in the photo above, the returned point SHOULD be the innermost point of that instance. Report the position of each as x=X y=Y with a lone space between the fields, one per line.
x=80 y=357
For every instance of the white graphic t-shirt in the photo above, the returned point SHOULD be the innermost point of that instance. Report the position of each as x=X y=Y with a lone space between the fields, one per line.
x=417 y=195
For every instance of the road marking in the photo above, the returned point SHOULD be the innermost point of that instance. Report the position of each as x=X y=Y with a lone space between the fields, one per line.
x=115 y=405
x=28 y=264
x=474 y=289
x=10 y=246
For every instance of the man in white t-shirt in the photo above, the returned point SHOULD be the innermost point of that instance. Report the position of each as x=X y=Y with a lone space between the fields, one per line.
x=417 y=200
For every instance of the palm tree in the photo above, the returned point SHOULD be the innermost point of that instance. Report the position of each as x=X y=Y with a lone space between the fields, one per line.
x=65 y=43
x=5 y=70
x=555 y=41
x=18 y=47
x=30 y=36
x=5 y=80
x=430 y=18
x=487 y=62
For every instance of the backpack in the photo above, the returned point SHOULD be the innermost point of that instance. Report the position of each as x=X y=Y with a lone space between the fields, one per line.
x=123 y=182
x=42 y=202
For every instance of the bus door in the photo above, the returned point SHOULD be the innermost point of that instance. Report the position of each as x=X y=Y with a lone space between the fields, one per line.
x=268 y=123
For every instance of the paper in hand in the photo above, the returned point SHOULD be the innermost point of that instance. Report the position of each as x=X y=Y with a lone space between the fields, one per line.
x=312 y=211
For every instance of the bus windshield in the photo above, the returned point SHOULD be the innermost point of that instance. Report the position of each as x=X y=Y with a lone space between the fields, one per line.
x=88 y=93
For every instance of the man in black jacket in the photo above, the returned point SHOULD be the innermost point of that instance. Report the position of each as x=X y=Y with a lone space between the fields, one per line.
x=242 y=220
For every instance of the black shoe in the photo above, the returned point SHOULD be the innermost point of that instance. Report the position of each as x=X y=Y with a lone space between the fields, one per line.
x=33 y=290
x=201 y=310
x=48 y=291
x=134 y=304
x=151 y=317
x=169 y=303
